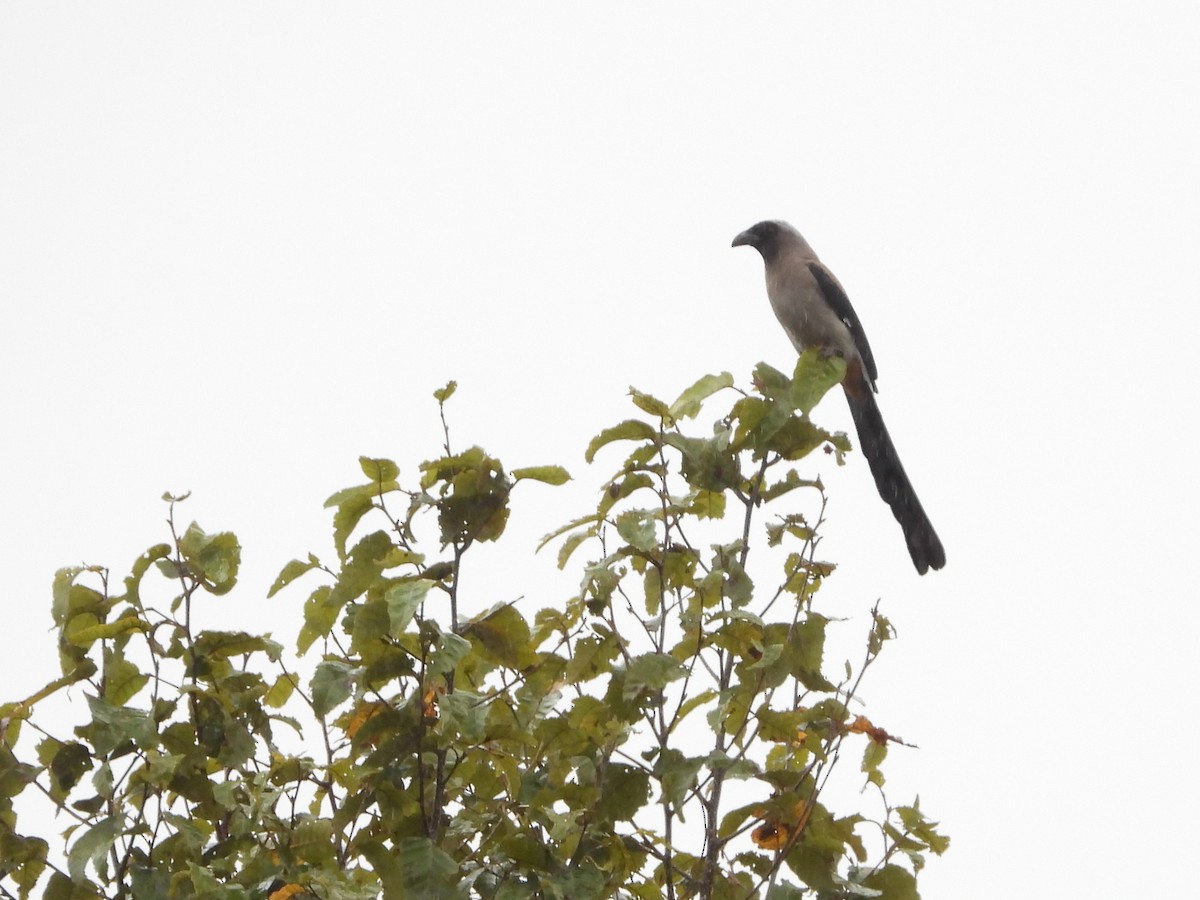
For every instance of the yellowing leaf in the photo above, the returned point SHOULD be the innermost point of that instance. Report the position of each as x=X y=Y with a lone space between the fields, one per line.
x=863 y=725
x=650 y=404
x=380 y=471
x=771 y=836
x=429 y=705
x=363 y=714
x=555 y=475
x=688 y=403
x=629 y=430
x=85 y=636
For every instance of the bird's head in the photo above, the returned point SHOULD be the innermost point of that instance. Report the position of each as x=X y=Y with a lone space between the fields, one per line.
x=766 y=237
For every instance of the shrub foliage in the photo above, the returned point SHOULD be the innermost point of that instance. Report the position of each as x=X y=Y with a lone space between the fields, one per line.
x=668 y=731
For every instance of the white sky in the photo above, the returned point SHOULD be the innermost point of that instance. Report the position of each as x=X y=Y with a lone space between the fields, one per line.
x=241 y=244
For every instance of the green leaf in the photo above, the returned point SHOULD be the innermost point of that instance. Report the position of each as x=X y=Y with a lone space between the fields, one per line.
x=280 y=691
x=709 y=464
x=534 y=704
x=122 y=679
x=691 y=704
x=653 y=587
x=92 y=846
x=403 y=600
x=212 y=558
x=320 y=612
x=625 y=791
x=464 y=713
x=441 y=395
x=629 y=430
x=790 y=482
x=67 y=766
x=224 y=644
x=115 y=725
x=894 y=883
x=873 y=757
x=580 y=880
x=677 y=774
x=738 y=586
x=801 y=648
x=450 y=651
x=85 y=636
x=63 y=580
x=708 y=505
x=60 y=887
x=628 y=485
x=528 y=849
x=473 y=503
x=426 y=869
x=735 y=818
x=590 y=519
x=206 y=884
x=312 y=842
x=363 y=566
x=649 y=404
x=653 y=671
x=291 y=572
x=882 y=631
x=796 y=437
x=749 y=413
x=149 y=884
x=806 y=649
x=637 y=527
x=555 y=475
x=815 y=374
x=24 y=859
x=689 y=402
x=504 y=635
x=770 y=382
x=141 y=565
x=350 y=510
x=785 y=891
x=570 y=544
x=386 y=867
x=369 y=624
x=332 y=683
x=815 y=859
x=921 y=828
x=779 y=725
x=592 y=656
x=380 y=471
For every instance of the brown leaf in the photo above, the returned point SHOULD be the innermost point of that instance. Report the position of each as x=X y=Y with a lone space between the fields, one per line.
x=363 y=714
x=771 y=836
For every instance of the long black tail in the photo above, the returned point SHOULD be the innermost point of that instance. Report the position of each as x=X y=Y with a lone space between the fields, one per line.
x=894 y=487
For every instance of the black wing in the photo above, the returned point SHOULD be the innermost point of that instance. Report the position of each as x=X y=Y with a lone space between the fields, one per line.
x=840 y=304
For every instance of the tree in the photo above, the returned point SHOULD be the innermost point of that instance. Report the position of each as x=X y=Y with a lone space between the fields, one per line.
x=669 y=731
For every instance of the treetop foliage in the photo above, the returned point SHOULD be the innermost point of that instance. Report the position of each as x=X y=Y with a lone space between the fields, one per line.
x=669 y=730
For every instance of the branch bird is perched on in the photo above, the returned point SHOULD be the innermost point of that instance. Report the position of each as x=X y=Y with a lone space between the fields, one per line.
x=815 y=312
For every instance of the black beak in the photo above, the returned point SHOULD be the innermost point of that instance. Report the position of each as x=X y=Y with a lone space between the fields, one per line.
x=742 y=239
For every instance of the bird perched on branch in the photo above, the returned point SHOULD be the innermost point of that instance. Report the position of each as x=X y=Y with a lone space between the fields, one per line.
x=815 y=312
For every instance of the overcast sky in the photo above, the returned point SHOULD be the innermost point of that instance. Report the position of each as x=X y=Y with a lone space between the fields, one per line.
x=241 y=244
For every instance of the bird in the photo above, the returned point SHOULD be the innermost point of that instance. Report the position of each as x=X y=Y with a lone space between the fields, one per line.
x=814 y=310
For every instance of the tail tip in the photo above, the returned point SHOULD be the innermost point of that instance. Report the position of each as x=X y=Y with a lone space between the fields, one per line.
x=926 y=552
